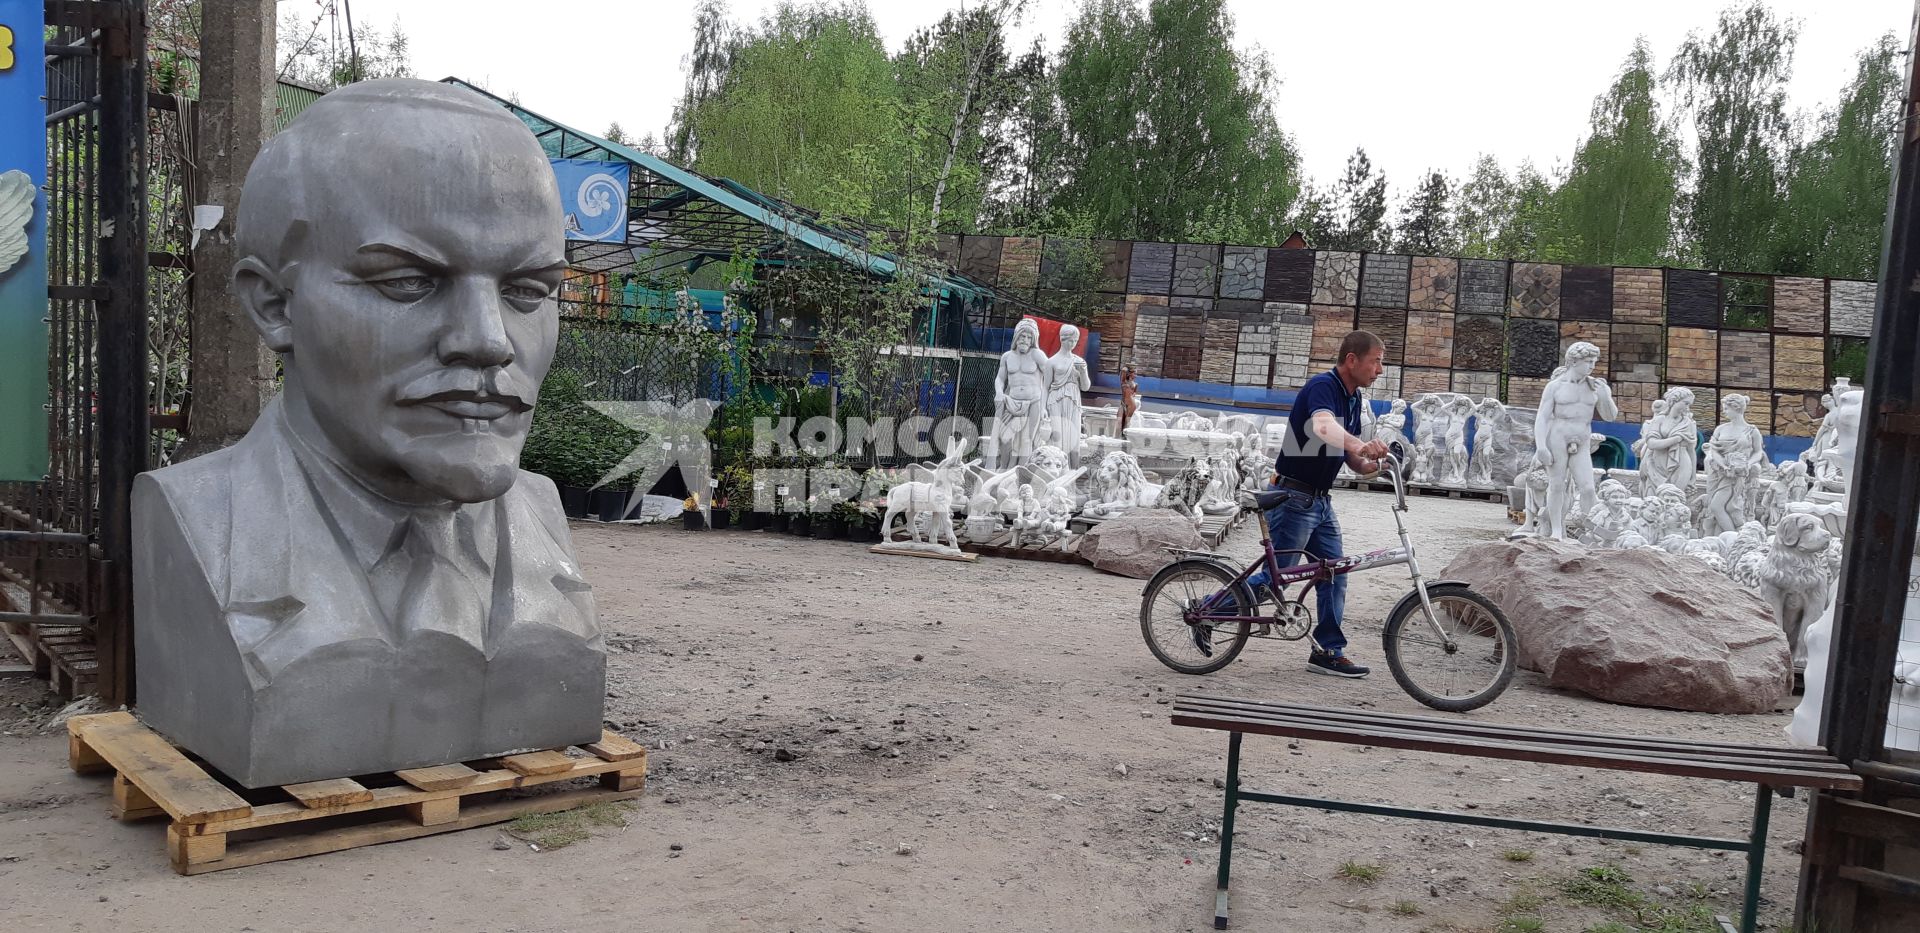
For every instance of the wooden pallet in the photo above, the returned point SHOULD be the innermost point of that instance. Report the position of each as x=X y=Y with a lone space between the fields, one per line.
x=62 y=654
x=1483 y=495
x=213 y=827
x=1002 y=545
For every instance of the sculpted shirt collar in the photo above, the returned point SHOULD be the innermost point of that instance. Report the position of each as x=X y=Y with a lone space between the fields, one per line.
x=372 y=525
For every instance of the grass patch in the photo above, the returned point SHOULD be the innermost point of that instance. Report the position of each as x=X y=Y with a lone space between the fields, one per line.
x=1522 y=923
x=1602 y=886
x=1404 y=909
x=559 y=830
x=1363 y=872
x=1525 y=902
x=1517 y=855
x=1610 y=927
x=1605 y=886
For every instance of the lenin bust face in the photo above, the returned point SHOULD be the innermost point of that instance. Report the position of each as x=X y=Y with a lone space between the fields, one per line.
x=402 y=246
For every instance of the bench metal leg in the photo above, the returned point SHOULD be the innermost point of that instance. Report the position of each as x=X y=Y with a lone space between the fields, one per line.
x=1226 y=832
x=1756 y=857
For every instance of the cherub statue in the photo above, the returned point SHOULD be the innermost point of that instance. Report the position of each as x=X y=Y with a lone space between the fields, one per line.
x=1611 y=518
x=1031 y=518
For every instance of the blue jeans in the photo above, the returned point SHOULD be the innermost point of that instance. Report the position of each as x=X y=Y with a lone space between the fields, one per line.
x=1307 y=523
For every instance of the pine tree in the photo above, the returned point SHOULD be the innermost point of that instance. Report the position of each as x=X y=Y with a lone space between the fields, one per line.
x=1426 y=220
x=1360 y=203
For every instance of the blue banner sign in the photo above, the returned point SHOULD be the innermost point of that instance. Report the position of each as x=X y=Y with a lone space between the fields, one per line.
x=23 y=241
x=594 y=195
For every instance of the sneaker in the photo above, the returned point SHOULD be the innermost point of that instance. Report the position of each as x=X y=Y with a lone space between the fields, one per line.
x=1335 y=665
x=1203 y=639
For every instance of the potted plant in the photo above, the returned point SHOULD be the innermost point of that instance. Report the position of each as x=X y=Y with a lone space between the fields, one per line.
x=609 y=502
x=781 y=519
x=847 y=519
x=690 y=516
x=802 y=521
x=718 y=517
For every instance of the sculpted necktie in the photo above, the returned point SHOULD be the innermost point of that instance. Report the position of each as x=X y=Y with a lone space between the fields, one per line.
x=435 y=581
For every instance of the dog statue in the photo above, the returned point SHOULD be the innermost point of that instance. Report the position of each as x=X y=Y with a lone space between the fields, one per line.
x=1793 y=578
x=1188 y=489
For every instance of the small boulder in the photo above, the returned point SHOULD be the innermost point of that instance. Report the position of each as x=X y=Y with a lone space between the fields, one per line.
x=1134 y=544
x=1640 y=626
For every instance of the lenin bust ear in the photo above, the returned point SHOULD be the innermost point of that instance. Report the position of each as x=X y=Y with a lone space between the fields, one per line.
x=264 y=292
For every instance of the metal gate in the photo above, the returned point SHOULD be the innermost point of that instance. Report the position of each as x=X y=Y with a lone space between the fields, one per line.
x=65 y=540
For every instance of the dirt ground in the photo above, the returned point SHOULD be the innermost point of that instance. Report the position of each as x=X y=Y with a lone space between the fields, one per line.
x=850 y=742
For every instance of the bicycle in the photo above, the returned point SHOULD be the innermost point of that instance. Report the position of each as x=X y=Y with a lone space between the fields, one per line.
x=1446 y=645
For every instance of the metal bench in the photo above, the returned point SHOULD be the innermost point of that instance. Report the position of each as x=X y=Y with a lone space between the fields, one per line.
x=1773 y=770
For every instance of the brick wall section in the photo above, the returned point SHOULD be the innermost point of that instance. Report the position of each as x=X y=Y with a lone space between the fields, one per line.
x=1253 y=358
x=1336 y=278
x=1186 y=338
x=1243 y=272
x=1693 y=355
x=1706 y=406
x=1331 y=324
x=1800 y=305
x=1383 y=280
x=1635 y=352
x=1483 y=286
x=1289 y=275
x=1416 y=381
x=1196 y=270
x=1429 y=339
x=1799 y=363
x=1635 y=399
x=1435 y=285
x=1292 y=344
x=1796 y=414
x=1217 y=361
x=1746 y=360
x=1020 y=262
x=1115 y=327
x=1850 y=308
x=1390 y=325
x=1535 y=291
x=1150 y=269
x=1387 y=386
x=1524 y=391
x=1479 y=342
x=1693 y=298
x=1593 y=332
x=1478 y=385
x=1586 y=293
x=1149 y=333
x=1639 y=296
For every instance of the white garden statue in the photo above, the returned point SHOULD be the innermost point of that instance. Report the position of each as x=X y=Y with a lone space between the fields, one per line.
x=933 y=499
x=1457 y=409
x=1735 y=454
x=1488 y=417
x=1668 y=442
x=1835 y=466
x=1563 y=438
x=1066 y=379
x=1019 y=399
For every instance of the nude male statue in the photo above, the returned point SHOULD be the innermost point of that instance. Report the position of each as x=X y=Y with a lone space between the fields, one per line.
x=1562 y=432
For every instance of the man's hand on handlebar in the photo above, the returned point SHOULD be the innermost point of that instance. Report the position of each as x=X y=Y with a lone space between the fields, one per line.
x=1373 y=450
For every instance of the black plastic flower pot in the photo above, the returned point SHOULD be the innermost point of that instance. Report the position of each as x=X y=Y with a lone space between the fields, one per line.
x=609 y=505
x=576 y=501
x=800 y=524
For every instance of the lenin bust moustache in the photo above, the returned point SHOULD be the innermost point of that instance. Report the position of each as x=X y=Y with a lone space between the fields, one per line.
x=367 y=581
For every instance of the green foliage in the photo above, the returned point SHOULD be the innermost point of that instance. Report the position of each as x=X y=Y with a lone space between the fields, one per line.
x=707 y=66
x=1360 y=205
x=1363 y=872
x=1404 y=908
x=571 y=443
x=1836 y=191
x=1483 y=209
x=312 y=53
x=1426 y=220
x=1521 y=923
x=1616 y=206
x=562 y=829
x=1517 y=855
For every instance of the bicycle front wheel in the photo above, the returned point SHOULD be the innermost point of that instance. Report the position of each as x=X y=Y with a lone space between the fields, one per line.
x=1464 y=665
x=1174 y=596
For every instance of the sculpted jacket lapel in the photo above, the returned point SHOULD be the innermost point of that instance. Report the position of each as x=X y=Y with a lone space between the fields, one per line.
x=536 y=578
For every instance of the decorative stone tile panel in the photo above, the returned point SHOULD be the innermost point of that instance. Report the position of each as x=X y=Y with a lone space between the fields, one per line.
x=1186 y=338
x=1796 y=414
x=980 y=259
x=1331 y=324
x=1746 y=360
x=1151 y=269
x=1586 y=293
x=1196 y=270
x=1384 y=280
x=1693 y=298
x=1478 y=385
x=946 y=248
x=1693 y=355
x=1149 y=333
x=1593 y=332
x=1800 y=305
x=1706 y=407
x=1799 y=362
x=1390 y=325
x=1435 y=285
x=1336 y=278
x=1253 y=360
x=1416 y=381
x=1058 y=255
x=1243 y=272
x=1020 y=262
x=1850 y=308
x=1635 y=399
x=1387 y=386
x=1524 y=391
x=1429 y=338
x=1222 y=344
x=1483 y=286
x=1479 y=342
x=1639 y=296
x=1114 y=260
x=1535 y=292
x=1115 y=325
x=1635 y=352
x=1292 y=343
x=1533 y=347
x=1289 y=275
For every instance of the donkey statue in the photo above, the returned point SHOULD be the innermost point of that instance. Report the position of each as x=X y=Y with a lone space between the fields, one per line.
x=934 y=498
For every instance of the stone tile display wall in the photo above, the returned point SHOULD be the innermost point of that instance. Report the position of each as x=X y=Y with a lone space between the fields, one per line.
x=1429 y=338
x=1435 y=285
x=1746 y=359
x=1706 y=406
x=1243 y=272
x=1850 y=308
x=1336 y=278
x=1800 y=305
x=1388 y=385
x=1383 y=280
x=1271 y=317
x=1196 y=270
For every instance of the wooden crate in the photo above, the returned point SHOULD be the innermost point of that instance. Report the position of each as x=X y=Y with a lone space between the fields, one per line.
x=214 y=827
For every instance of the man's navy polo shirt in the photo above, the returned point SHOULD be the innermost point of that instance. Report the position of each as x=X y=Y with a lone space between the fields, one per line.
x=1305 y=457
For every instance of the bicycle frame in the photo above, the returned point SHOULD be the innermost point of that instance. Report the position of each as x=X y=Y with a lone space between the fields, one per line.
x=1312 y=569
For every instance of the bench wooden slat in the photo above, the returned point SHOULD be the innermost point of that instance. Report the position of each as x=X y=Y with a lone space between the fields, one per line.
x=1758 y=756
x=1387 y=737
x=1815 y=754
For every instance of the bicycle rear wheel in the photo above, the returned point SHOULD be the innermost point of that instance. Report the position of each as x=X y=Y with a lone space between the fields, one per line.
x=1173 y=595
x=1465 y=665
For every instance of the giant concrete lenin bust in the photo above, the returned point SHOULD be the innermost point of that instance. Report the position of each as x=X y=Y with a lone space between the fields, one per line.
x=367 y=581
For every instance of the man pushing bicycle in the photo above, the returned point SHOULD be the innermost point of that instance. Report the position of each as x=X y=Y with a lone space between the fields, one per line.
x=1323 y=431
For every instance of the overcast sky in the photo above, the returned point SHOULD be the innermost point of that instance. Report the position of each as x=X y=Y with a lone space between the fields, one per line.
x=1419 y=84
